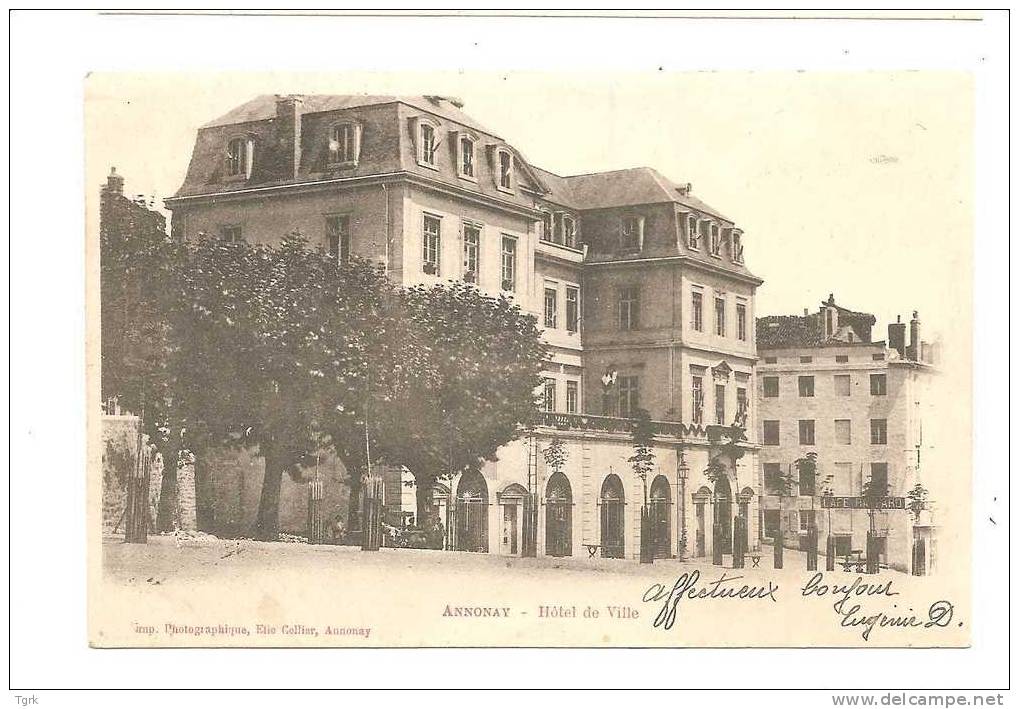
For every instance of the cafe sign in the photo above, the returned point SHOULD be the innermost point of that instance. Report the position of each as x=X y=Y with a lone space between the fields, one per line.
x=831 y=502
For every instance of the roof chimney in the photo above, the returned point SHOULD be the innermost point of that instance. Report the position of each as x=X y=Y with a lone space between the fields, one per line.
x=454 y=100
x=897 y=336
x=914 y=338
x=288 y=133
x=114 y=183
x=806 y=312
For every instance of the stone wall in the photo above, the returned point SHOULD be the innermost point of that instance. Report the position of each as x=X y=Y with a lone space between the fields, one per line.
x=119 y=441
x=233 y=485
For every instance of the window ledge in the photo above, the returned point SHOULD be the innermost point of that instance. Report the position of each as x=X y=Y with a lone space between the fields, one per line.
x=468 y=178
x=505 y=190
x=558 y=245
x=430 y=166
x=346 y=164
x=236 y=178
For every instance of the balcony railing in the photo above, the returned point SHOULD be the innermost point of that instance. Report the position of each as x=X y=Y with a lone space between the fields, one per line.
x=614 y=424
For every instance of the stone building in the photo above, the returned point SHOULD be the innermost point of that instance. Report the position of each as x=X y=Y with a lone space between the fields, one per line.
x=641 y=289
x=825 y=386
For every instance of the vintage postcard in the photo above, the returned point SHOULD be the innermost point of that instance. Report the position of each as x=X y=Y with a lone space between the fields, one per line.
x=547 y=359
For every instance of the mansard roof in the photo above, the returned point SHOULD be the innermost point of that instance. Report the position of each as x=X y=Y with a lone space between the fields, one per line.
x=384 y=117
x=263 y=108
x=630 y=187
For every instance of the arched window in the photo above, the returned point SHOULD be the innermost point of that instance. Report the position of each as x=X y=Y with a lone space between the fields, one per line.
x=428 y=143
x=344 y=143
x=466 y=156
x=661 y=518
x=612 y=517
x=471 y=524
x=238 y=157
x=504 y=168
x=558 y=516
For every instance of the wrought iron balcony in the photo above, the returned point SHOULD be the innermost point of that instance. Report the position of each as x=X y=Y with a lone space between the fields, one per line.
x=614 y=424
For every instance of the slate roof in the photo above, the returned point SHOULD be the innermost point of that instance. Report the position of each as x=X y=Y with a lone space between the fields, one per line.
x=601 y=190
x=560 y=190
x=263 y=108
x=630 y=187
x=787 y=331
x=777 y=331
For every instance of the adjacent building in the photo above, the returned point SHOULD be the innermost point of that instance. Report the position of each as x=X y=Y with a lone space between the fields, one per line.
x=641 y=288
x=826 y=386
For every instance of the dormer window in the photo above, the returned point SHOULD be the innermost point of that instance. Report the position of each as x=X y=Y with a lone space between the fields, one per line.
x=465 y=156
x=716 y=240
x=693 y=239
x=569 y=230
x=504 y=160
x=547 y=226
x=631 y=233
x=344 y=143
x=238 y=157
x=737 y=246
x=427 y=144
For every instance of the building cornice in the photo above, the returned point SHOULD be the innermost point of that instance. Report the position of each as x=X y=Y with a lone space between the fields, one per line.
x=669 y=344
x=423 y=181
x=471 y=196
x=711 y=268
x=309 y=186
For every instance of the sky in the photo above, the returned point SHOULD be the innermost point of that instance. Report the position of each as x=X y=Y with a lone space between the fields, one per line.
x=855 y=183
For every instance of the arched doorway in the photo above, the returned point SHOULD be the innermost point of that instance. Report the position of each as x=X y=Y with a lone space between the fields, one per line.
x=612 y=518
x=700 y=499
x=437 y=523
x=511 y=502
x=558 y=516
x=661 y=518
x=723 y=512
x=471 y=513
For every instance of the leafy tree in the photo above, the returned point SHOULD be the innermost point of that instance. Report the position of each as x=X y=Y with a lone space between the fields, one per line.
x=477 y=361
x=873 y=491
x=917 y=497
x=806 y=468
x=555 y=455
x=643 y=458
x=138 y=288
x=274 y=341
x=283 y=349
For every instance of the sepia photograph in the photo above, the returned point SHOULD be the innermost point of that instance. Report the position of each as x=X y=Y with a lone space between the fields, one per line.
x=458 y=350
x=365 y=335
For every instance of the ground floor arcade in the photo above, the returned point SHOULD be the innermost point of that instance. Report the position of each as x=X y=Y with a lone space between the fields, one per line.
x=591 y=505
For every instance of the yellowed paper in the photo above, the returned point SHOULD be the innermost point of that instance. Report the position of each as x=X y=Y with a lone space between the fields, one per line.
x=771 y=264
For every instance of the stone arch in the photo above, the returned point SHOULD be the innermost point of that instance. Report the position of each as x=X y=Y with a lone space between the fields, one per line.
x=612 y=501
x=661 y=517
x=471 y=512
x=723 y=511
x=558 y=516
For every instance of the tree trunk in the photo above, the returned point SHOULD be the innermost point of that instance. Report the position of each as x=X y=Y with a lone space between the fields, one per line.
x=354 y=501
x=205 y=510
x=166 y=515
x=267 y=525
x=423 y=495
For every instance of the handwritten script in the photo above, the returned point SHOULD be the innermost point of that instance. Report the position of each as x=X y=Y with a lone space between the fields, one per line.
x=852 y=615
x=686 y=586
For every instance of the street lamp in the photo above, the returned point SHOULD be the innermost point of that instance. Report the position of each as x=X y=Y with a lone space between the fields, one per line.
x=607 y=380
x=683 y=471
